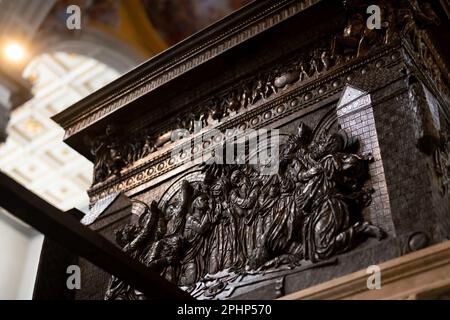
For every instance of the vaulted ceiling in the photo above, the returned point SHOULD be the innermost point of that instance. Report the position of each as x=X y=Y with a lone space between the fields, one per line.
x=176 y=20
x=34 y=153
x=65 y=65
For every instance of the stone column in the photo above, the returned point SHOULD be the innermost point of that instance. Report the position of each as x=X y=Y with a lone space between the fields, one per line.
x=14 y=91
x=4 y=118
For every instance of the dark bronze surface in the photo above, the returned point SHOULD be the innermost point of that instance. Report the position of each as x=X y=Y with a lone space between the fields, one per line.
x=243 y=222
x=364 y=161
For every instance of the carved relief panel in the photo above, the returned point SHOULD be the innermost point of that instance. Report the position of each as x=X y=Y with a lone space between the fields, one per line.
x=229 y=222
x=219 y=228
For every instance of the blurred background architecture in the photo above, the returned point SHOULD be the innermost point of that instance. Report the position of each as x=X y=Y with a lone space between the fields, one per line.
x=46 y=67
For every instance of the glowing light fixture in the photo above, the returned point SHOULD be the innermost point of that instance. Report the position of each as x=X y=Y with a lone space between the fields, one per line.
x=14 y=52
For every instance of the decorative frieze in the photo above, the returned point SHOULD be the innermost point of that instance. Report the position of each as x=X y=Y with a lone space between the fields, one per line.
x=191 y=57
x=288 y=101
x=356 y=40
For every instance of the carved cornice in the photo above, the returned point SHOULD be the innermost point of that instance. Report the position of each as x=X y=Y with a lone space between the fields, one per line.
x=377 y=68
x=203 y=46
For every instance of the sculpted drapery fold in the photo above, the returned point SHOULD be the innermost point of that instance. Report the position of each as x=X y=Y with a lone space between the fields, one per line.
x=238 y=220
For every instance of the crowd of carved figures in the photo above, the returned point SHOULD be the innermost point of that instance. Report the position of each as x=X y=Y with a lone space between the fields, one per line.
x=398 y=17
x=113 y=151
x=237 y=219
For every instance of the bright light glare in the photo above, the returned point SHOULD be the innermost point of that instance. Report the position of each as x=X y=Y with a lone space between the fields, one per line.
x=14 y=52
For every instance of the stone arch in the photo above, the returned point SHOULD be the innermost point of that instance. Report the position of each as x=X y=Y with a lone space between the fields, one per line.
x=97 y=45
x=326 y=123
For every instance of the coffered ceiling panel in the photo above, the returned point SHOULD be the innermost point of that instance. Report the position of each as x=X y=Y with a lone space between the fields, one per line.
x=34 y=153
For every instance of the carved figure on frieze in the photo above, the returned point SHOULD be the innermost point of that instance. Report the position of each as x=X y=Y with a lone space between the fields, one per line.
x=217 y=109
x=269 y=87
x=286 y=74
x=357 y=39
x=245 y=95
x=316 y=62
x=148 y=146
x=347 y=43
x=108 y=153
x=198 y=226
x=196 y=119
x=135 y=239
x=415 y=18
x=389 y=20
x=115 y=159
x=185 y=122
x=202 y=117
x=370 y=37
x=232 y=102
x=132 y=149
x=100 y=169
x=326 y=59
x=258 y=91
x=165 y=254
x=156 y=241
x=225 y=250
x=243 y=202
x=305 y=72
